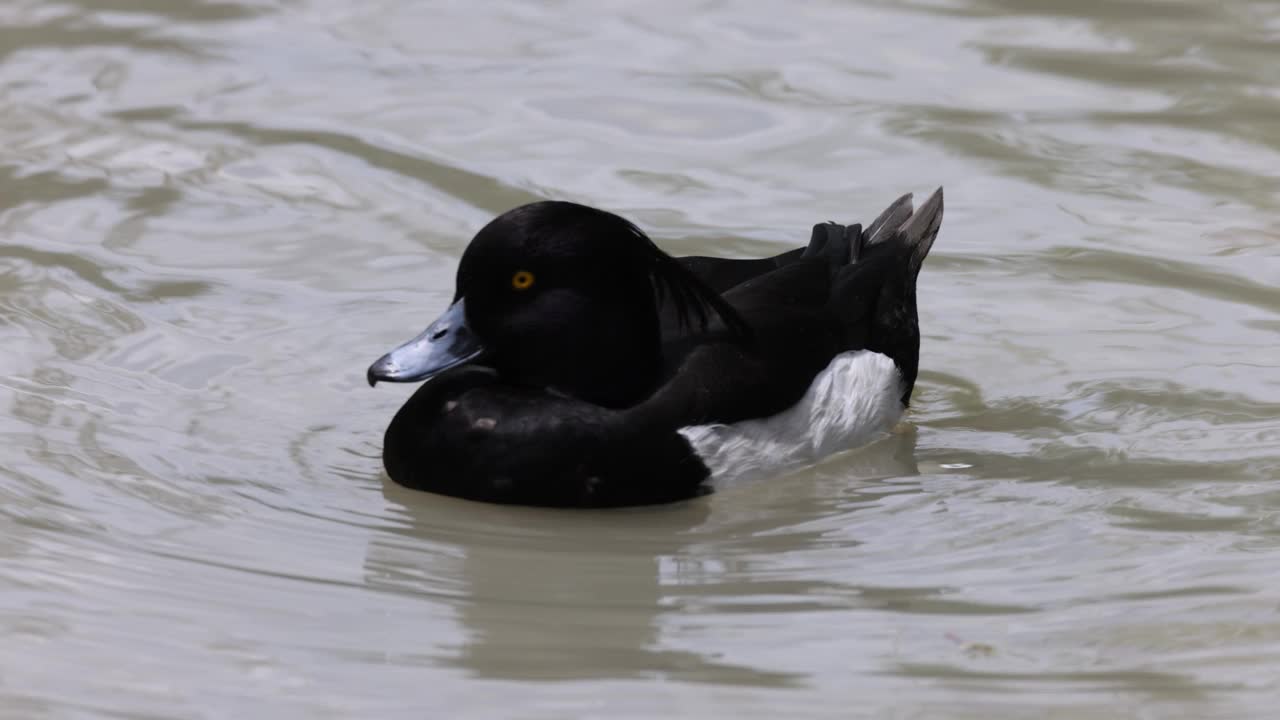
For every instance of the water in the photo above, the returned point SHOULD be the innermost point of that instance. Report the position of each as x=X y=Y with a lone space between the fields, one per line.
x=214 y=215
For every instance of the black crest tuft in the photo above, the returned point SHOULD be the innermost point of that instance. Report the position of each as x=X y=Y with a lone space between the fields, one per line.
x=694 y=303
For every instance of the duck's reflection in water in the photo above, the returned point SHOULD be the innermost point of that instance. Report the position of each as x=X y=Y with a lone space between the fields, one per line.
x=573 y=594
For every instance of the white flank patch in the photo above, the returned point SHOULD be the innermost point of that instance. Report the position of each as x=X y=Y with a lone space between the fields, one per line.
x=851 y=402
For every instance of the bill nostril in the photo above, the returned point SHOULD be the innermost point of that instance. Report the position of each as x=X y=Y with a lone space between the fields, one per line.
x=439 y=333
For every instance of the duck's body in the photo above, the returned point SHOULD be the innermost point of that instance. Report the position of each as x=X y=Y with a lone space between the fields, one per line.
x=580 y=366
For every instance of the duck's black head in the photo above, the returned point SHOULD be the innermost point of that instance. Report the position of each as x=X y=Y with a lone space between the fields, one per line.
x=560 y=296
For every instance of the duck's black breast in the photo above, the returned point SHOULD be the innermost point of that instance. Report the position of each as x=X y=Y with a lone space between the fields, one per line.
x=468 y=435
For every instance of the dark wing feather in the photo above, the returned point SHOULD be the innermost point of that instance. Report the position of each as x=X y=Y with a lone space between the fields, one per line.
x=693 y=302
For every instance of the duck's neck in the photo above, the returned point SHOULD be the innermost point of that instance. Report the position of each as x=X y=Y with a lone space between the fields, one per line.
x=615 y=362
x=620 y=375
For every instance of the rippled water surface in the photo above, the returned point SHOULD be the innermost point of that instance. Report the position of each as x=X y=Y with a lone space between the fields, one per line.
x=214 y=214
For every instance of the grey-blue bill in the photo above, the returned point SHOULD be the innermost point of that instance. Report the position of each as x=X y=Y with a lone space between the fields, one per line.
x=446 y=343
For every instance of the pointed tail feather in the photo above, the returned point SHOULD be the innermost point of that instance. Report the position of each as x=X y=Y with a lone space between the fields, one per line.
x=881 y=229
x=921 y=229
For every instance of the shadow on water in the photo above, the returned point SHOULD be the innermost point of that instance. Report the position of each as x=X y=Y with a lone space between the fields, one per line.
x=1122 y=432
x=1140 y=10
x=62 y=33
x=555 y=595
x=570 y=595
x=44 y=188
x=482 y=191
x=174 y=10
x=1164 y=686
x=1093 y=265
x=95 y=274
x=1191 y=75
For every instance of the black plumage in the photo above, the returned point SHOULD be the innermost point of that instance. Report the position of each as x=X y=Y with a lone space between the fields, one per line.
x=566 y=385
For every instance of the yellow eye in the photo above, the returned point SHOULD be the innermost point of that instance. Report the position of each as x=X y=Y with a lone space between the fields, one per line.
x=522 y=280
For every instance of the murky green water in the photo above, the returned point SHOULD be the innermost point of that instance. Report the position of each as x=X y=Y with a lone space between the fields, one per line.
x=214 y=215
